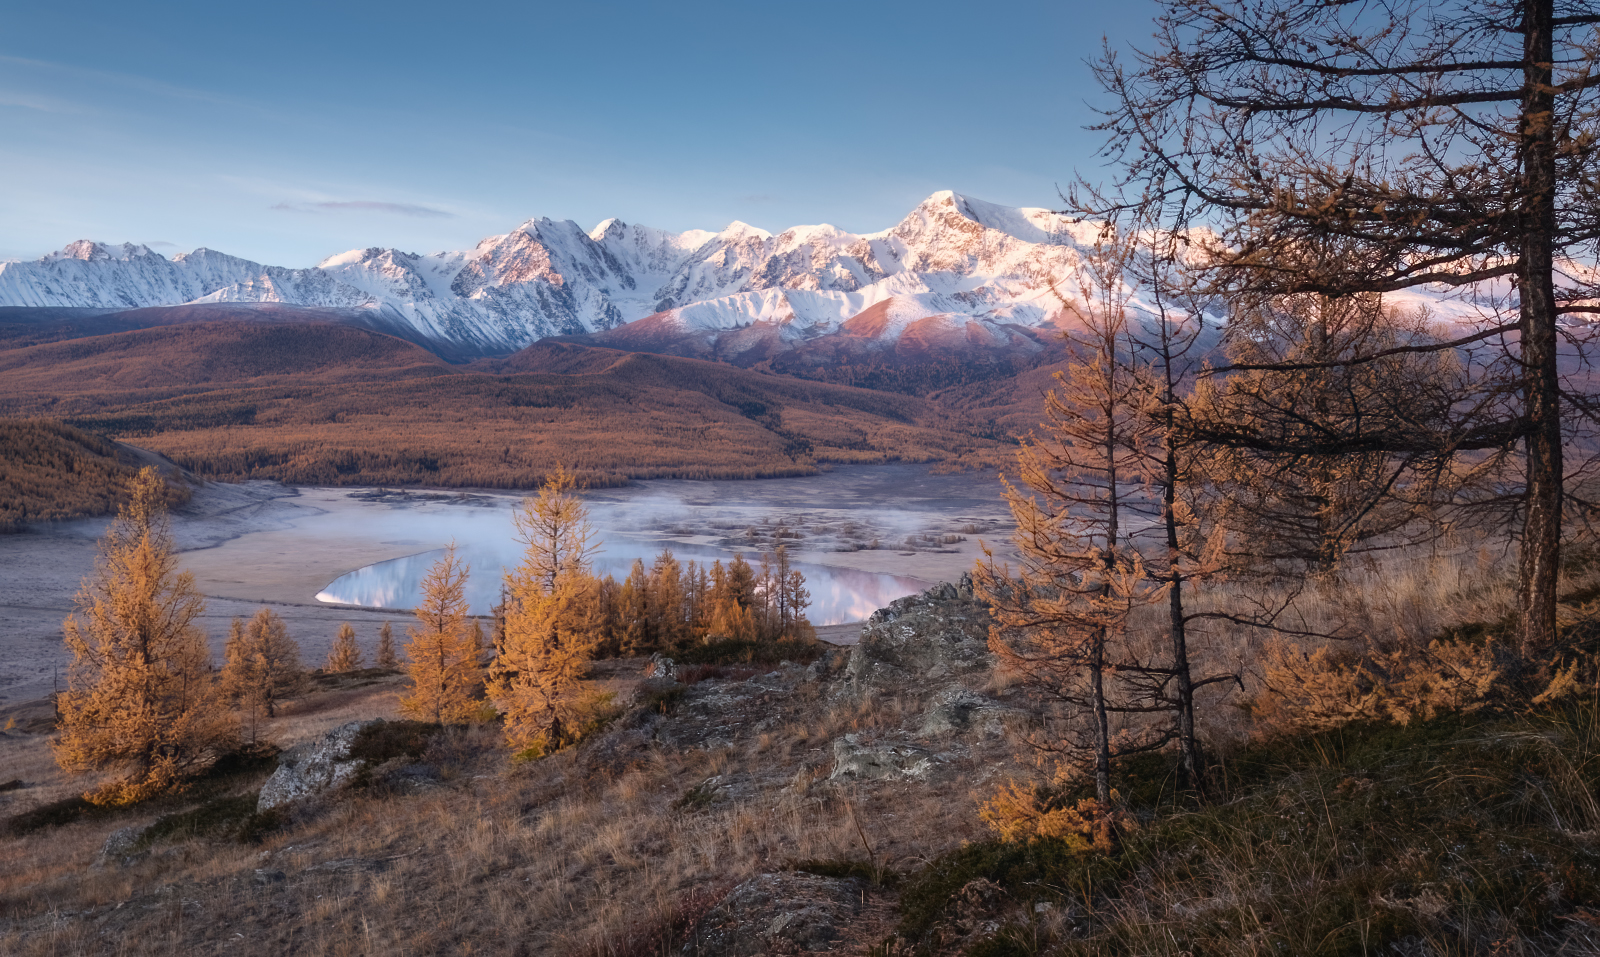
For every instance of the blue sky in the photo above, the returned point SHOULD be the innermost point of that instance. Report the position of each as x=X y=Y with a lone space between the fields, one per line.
x=290 y=131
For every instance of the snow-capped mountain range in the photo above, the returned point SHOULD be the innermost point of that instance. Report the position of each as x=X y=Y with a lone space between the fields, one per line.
x=975 y=270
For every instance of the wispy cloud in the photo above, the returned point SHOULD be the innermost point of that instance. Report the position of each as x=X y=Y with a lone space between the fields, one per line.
x=53 y=72
x=34 y=101
x=155 y=243
x=366 y=206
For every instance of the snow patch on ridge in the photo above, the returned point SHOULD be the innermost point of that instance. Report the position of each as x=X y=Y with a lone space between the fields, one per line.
x=954 y=267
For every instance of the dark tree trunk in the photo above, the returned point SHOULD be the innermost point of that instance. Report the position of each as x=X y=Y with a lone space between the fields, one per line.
x=1541 y=542
x=1188 y=747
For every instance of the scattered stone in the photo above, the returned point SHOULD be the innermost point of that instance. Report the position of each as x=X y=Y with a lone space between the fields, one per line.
x=661 y=667
x=958 y=710
x=308 y=770
x=625 y=745
x=972 y=915
x=879 y=762
x=118 y=848
x=778 y=913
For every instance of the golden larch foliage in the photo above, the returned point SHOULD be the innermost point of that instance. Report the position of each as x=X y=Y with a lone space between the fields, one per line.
x=262 y=668
x=140 y=697
x=345 y=654
x=1326 y=688
x=386 y=654
x=439 y=654
x=553 y=617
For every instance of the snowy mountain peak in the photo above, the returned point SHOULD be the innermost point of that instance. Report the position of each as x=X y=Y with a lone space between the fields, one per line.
x=737 y=231
x=952 y=261
x=87 y=250
x=612 y=226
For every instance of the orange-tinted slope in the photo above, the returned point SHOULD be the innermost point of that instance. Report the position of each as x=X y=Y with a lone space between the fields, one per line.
x=324 y=404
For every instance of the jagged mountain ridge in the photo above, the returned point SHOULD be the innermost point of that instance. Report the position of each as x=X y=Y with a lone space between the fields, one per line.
x=956 y=271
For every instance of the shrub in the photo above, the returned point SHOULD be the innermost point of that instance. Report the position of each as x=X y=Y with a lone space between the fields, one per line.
x=384 y=740
x=1326 y=688
x=1020 y=812
x=219 y=819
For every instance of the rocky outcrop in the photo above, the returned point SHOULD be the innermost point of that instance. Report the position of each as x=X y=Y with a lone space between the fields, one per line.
x=310 y=769
x=962 y=711
x=938 y=635
x=662 y=667
x=121 y=848
x=778 y=914
x=854 y=759
x=927 y=653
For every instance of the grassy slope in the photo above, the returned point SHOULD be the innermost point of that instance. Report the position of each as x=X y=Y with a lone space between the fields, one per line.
x=1467 y=835
x=1457 y=836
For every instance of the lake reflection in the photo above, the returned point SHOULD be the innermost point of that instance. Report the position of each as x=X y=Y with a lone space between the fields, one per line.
x=838 y=595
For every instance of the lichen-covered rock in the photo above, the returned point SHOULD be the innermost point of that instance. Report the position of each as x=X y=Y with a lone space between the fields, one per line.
x=307 y=770
x=941 y=633
x=879 y=761
x=959 y=710
x=778 y=914
x=119 y=847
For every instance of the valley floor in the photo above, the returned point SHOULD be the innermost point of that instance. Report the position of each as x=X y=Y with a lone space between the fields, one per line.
x=256 y=543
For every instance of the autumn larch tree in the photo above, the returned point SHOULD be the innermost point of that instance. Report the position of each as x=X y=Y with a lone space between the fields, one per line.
x=666 y=607
x=1062 y=620
x=480 y=645
x=554 y=529
x=553 y=619
x=732 y=598
x=261 y=669
x=386 y=655
x=1179 y=543
x=345 y=654
x=1449 y=144
x=439 y=653
x=140 y=700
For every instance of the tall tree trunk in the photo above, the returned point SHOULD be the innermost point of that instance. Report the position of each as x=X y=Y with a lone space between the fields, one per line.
x=1105 y=833
x=1541 y=542
x=1102 y=729
x=1188 y=748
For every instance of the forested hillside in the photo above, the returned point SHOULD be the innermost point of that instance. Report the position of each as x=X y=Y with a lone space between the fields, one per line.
x=52 y=471
x=315 y=403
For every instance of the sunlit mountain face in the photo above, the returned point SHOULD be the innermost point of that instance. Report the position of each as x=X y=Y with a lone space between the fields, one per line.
x=954 y=273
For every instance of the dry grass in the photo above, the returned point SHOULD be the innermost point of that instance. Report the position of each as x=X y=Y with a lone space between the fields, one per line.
x=593 y=850
x=573 y=854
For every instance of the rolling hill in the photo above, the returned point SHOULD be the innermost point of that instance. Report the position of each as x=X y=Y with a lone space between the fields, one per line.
x=329 y=404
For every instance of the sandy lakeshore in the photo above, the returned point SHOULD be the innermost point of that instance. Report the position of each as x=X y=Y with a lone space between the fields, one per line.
x=261 y=543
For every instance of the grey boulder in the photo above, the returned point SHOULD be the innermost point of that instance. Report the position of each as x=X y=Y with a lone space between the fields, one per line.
x=310 y=769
